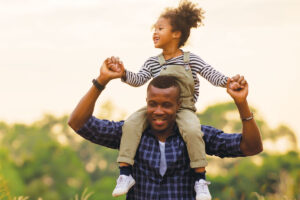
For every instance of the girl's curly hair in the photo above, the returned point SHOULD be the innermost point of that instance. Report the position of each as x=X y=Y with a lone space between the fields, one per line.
x=186 y=16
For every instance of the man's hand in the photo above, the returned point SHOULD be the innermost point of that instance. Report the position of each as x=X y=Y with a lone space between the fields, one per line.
x=240 y=93
x=111 y=68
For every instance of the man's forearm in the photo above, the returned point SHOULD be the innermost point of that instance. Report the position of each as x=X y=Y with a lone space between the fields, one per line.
x=85 y=107
x=251 y=143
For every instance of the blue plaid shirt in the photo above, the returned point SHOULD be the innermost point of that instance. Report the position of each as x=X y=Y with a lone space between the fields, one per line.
x=178 y=181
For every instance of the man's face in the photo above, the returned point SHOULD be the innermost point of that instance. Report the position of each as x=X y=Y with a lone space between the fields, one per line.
x=162 y=105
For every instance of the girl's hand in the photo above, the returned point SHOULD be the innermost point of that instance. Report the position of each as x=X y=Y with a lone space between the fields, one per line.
x=115 y=64
x=111 y=68
x=237 y=82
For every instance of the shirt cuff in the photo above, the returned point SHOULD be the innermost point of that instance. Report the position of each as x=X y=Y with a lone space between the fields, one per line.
x=84 y=129
x=126 y=78
x=234 y=146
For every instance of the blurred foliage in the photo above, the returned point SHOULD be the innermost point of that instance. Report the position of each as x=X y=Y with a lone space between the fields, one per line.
x=47 y=160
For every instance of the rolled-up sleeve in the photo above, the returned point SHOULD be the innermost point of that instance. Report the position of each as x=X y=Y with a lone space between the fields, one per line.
x=103 y=132
x=221 y=144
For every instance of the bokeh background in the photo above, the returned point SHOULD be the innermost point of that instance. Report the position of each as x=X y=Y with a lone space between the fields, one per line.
x=51 y=50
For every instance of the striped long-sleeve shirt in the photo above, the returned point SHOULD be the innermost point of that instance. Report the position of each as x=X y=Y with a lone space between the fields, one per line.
x=152 y=68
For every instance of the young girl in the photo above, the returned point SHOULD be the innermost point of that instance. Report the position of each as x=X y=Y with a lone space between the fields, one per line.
x=172 y=30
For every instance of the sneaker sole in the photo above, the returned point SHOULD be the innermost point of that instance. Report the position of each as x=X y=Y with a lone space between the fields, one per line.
x=203 y=198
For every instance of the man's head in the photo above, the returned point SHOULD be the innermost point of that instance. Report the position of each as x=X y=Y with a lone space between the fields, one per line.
x=163 y=101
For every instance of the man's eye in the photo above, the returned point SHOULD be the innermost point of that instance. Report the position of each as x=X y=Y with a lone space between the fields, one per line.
x=167 y=105
x=151 y=104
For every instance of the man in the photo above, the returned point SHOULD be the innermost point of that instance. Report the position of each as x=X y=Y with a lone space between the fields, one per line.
x=177 y=179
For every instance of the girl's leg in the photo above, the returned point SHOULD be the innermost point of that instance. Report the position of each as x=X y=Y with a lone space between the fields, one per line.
x=131 y=134
x=190 y=129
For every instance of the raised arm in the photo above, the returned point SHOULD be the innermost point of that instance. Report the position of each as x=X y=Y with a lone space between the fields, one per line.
x=141 y=77
x=84 y=109
x=205 y=70
x=251 y=143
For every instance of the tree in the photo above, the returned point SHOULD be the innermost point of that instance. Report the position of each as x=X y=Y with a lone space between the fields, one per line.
x=47 y=159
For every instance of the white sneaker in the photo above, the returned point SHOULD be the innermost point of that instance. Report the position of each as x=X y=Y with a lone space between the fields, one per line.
x=124 y=183
x=201 y=188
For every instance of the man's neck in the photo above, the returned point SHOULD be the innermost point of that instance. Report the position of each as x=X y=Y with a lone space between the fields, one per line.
x=162 y=136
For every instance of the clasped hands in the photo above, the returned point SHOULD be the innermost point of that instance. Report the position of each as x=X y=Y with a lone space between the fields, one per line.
x=113 y=67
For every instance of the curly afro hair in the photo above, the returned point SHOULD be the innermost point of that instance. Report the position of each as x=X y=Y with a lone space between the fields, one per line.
x=186 y=16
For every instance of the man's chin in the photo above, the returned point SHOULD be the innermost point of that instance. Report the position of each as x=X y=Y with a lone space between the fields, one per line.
x=158 y=129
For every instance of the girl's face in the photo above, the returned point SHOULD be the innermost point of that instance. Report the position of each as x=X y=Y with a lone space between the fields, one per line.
x=163 y=37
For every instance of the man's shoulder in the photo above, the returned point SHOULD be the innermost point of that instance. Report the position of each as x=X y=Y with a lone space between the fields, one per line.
x=103 y=132
x=94 y=121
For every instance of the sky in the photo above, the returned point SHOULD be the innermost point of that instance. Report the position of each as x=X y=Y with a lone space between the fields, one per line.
x=51 y=50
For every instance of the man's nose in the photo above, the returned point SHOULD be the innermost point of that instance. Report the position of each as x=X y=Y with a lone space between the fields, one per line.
x=158 y=110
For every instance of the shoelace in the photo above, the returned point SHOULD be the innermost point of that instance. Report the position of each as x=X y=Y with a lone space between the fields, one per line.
x=121 y=181
x=202 y=186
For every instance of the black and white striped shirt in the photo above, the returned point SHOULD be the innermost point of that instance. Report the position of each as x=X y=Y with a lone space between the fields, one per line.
x=152 y=68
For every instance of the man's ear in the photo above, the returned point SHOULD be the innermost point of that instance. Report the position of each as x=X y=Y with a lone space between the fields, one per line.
x=176 y=34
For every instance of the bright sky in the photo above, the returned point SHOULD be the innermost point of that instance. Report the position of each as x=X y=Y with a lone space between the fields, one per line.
x=50 y=50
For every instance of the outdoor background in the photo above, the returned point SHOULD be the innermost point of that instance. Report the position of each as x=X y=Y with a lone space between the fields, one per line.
x=51 y=50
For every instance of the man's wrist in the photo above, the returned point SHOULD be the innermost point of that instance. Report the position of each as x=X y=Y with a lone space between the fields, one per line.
x=102 y=81
x=244 y=110
x=241 y=103
x=98 y=85
x=250 y=117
